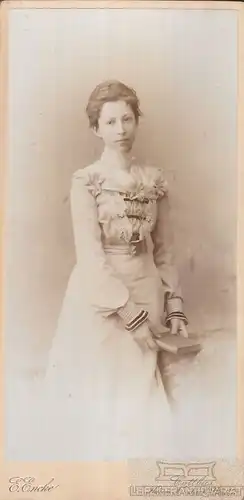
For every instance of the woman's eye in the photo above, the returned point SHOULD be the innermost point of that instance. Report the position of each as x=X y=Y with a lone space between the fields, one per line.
x=127 y=118
x=111 y=122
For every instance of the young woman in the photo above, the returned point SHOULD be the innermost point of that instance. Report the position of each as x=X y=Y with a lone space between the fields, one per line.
x=106 y=396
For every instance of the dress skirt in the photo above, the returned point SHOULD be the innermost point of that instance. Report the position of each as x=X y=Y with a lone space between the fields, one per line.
x=103 y=395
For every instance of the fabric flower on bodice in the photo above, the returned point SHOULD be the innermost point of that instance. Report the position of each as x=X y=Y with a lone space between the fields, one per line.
x=149 y=185
x=140 y=193
x=158 y=186
x=161 y=186
x=94 y=183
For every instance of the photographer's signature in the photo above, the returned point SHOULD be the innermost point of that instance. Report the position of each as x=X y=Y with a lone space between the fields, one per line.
x=28 y=484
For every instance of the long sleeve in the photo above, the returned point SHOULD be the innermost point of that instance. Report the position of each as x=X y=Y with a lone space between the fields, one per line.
x=104 y=290
x=163 y=252
x=162 y=237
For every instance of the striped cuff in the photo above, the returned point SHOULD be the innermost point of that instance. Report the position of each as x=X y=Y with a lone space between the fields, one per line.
x=175 y=315
x=132 y=316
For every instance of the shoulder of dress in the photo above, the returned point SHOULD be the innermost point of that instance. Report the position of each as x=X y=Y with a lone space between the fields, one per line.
x=91 y=177
x=155 y=179
x=152 y=169
x=85 y=172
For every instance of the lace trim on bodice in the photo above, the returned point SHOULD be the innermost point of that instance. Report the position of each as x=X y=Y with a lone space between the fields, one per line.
x=126 y=212
x=143 y=193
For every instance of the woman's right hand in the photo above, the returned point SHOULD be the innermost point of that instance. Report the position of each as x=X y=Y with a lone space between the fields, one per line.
x=157 y=329
x=143 y=336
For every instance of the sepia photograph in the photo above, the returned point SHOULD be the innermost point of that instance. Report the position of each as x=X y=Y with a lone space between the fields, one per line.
x=120 y=234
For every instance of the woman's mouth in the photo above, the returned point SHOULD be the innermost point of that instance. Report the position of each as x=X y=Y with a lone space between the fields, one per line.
x=122 y=140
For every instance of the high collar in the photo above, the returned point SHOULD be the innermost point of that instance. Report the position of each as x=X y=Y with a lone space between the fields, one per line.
x=115 y=159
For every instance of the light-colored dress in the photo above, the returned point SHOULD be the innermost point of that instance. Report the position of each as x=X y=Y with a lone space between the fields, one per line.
x=104 y=394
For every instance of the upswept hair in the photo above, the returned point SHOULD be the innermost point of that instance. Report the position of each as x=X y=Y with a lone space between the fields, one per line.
x=109 y=91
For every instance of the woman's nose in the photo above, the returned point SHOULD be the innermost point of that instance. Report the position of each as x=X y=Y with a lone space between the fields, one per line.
x=120 y=127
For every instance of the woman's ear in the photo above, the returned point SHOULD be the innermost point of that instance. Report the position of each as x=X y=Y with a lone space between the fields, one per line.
x=96 y=132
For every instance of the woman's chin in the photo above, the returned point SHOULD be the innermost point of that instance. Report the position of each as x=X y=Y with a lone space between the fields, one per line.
x=124 y=146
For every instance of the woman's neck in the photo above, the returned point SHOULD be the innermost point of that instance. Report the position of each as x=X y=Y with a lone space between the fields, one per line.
x=117 y=159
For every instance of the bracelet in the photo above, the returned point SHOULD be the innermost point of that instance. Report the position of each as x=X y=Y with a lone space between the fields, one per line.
x=137 y=321
x=175 y=315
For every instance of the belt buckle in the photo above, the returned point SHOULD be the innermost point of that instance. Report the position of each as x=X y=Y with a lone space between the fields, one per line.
x=133 y=249
x=136 y=247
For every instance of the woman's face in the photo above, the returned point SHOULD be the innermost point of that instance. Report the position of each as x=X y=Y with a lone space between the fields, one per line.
x=117 y=125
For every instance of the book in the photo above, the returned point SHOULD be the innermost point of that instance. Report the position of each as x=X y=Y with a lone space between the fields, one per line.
x=177 y=344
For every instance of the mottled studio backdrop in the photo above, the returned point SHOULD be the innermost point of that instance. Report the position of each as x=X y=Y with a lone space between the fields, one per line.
x=183 y=67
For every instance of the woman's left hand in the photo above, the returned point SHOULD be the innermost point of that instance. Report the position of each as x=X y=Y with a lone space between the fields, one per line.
x=178 y=326
x=157 y=329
